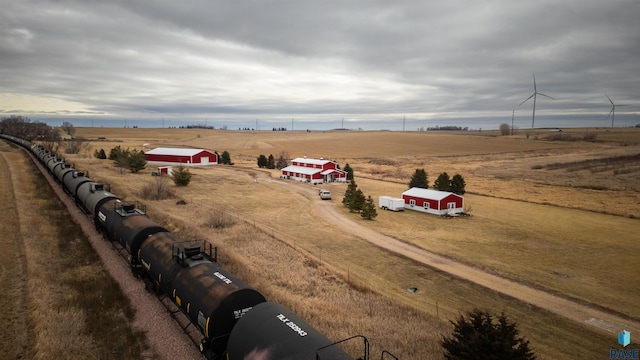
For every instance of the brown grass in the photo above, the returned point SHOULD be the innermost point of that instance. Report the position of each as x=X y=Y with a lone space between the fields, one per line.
x=560 y=248
x=75 y=310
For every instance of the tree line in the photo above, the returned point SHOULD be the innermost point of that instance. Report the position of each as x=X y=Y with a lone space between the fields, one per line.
x=455 y=184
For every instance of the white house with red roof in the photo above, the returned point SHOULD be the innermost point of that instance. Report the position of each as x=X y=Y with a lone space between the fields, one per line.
x=315 y=171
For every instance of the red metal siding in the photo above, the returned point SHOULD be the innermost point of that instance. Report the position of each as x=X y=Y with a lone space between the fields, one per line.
x=433 y=204
x=452 y=198
x=168 y=158
x=197 y=158
x=329 y=165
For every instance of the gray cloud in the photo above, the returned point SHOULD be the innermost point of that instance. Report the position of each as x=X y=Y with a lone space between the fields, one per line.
x=284 y=58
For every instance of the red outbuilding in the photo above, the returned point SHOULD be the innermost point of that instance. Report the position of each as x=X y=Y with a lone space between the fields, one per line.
x=182 y=156
x=315 y=171
x=433 y=201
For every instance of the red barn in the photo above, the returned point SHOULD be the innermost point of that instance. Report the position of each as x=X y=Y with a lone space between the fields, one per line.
x=315 y=171
x=433 y=201
x=182 y=156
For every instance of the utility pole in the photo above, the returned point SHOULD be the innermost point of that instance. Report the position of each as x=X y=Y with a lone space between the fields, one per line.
x=512 y=114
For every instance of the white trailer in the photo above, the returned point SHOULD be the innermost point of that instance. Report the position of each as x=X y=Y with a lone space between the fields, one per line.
x=391 y=203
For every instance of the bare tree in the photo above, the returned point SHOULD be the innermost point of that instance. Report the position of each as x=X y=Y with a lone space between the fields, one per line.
x=68 y=128
x=74 y=146
x=159 y=189
x=282 y=161
x=505 y=129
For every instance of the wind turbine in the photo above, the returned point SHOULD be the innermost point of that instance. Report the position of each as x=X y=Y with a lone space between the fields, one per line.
x=612 y=113
x=534 y=95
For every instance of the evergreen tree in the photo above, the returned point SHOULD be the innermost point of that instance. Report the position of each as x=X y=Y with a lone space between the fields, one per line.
x=120 y=158
x=181 y=176
x=136 y=161
x=225 y=158
x=357 y=202
x=349 y=193
x=349 y=172
x=458 y=184
x=443 y=182
x=116 y=152
x=262 y=161
x=100 y=154
x=271 y=162
x=478 y=336
x=369 y=209
x=419 y=179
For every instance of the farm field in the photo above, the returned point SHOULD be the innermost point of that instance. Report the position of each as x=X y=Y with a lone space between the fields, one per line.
x=571 y=233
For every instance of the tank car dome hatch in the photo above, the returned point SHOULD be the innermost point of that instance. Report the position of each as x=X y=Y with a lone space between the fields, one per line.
x=275 y=332
x=92 y=195
x=130 y=229
x=73 y=181
x=61 y=171
x=53 y=162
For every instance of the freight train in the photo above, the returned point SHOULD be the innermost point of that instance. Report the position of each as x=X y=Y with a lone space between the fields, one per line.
x=235 y=320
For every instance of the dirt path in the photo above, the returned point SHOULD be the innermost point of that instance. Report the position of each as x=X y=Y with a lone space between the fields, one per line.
x=590 y=316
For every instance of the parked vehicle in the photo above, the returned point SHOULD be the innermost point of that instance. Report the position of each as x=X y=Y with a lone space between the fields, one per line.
x=325 y=194
x=391 y=203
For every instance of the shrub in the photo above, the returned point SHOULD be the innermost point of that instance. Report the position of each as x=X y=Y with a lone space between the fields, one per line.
x=100 y=154
x=181 y=176
x=219 y=219
x=158 y=189
x=136 y=161
x=505 y=129
x=478 y=336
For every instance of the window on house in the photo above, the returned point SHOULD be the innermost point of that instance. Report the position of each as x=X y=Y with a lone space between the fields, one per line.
x=412 y=202
x=426 y=205
x=451 y=205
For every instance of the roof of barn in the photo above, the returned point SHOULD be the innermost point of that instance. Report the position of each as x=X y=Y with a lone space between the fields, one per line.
x=312 y=161
x=175 y=151
x=428 y=193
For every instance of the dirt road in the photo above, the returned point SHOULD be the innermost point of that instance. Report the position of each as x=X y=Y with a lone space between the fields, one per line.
x=599 y=320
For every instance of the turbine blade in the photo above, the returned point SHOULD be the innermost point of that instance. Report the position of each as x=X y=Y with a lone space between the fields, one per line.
x=534 y=82
x=527 y=99
x=546 y=96
x=609 y=114
x=609 y=99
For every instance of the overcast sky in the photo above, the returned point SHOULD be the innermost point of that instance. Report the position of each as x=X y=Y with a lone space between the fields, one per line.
x=317 y=59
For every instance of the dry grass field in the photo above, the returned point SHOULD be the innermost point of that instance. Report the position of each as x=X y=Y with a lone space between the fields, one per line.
x=573 y=233
x=58 y=301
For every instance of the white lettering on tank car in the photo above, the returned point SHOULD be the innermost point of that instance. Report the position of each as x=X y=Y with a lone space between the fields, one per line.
x=292 y=325
x=102 y=216
x=222 y=277
x=240 y=313
x=202 y=321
